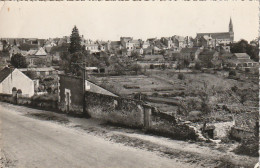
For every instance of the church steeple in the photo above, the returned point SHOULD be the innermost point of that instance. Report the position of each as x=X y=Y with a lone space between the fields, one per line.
x=231 y=30
x=230 y=26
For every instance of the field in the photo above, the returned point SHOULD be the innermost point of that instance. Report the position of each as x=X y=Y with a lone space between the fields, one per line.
x=165 y=90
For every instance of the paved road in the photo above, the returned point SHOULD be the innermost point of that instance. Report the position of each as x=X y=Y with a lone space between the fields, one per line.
x=29 y=142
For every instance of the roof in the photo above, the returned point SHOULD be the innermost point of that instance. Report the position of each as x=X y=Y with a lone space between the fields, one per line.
x=27 y=47
x=241 y=55
x=45 y=69
x=189 y=50
x=41 y=51
x=31 y=52
x=115 y=43
x=4 y=73
x=239 y=61
x=221 y=35
x=179 y=38
x=153 y=57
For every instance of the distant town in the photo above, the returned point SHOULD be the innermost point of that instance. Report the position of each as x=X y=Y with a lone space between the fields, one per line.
x=201 y=89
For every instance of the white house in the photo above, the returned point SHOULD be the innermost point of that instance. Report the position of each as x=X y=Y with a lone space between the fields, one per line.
x=10 y=78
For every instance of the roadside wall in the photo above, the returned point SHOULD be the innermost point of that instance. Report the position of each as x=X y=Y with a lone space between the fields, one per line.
x=115 y=109
x=166 y=125
x=26 y=101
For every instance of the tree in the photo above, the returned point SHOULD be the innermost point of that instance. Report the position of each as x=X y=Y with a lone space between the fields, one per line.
x=186 y=63
x=75 y=41
x=18 y=61
x=243 y=47
x=137 y=68
x=197 y=66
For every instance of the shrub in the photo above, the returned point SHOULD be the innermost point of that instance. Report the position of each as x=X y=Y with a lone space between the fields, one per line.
x=232 y=73
x=181 y=76
x=248 y=147
x=234 y=88
x=197 y=66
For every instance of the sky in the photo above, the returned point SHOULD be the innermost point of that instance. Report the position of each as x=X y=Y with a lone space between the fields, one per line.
x=102 y=20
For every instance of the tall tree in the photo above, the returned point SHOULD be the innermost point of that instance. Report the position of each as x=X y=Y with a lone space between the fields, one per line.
x=18 y=61
x=75 y=41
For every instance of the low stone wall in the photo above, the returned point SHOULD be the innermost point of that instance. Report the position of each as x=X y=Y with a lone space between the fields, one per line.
x=27 y=101
x=166 y=125
x=240 y=133
x=7 y=98
x=115 y=109
x=136 y=113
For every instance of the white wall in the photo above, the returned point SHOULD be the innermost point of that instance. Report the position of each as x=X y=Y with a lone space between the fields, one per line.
x=20 y=81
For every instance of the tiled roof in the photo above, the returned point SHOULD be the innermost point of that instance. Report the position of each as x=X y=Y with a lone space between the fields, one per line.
x=4 y=73
x=242 y=56
x=189 y=50
x=222 y=35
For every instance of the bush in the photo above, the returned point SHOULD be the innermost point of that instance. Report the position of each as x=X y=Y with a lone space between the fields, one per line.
x=232 y=73
x=181 y=76
x=234 y=88
x=198 y=66
x=248 y=147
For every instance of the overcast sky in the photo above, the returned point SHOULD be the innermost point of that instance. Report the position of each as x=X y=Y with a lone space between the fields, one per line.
x=111 y=20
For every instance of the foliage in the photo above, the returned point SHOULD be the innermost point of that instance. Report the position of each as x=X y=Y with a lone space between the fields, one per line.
x=75 y=41
x=186 y=62
x=181 y=76
x=137 y=68
x=232 y=73
x=18 y=61
x=197 y=66
x=243 y=47
x=249 y=146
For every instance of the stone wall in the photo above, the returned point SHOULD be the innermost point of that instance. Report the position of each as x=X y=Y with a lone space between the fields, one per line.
x=239 y=133
x=115 y=109
x=166 y=125
x=26 y=101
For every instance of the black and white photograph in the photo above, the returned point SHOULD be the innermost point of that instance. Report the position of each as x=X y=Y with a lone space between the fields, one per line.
x=129 y=84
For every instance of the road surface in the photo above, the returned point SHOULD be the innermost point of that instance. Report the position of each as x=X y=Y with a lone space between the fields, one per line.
x=27 y=142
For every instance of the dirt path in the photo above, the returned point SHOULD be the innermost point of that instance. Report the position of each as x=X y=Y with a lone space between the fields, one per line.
x=28 y=142
x=187 y=154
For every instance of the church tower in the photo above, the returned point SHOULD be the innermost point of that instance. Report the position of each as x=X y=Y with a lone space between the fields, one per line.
x=231 y=31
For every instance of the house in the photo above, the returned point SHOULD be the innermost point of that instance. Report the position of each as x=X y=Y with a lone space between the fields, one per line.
x=127 y=43
x=242 y=60
x=14 y=78
x=223 y=38
x=40 y=52
x=70 y=93
x=14 y=50
x=158 y=58
x=139 y=51
x=44 y=71
x=167 y=41
x=179 y=41
x=145 y=44
x=1 y=46
x=190 y=54
x=56 y=51
x=114 y=45
x=92 y=47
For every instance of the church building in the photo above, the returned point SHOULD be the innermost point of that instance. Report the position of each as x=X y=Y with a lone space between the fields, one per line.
x=214 y=40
